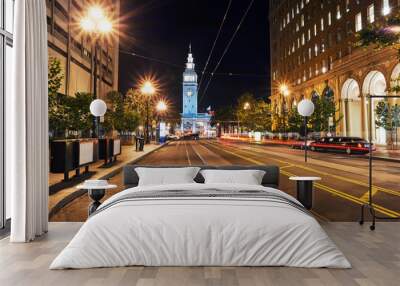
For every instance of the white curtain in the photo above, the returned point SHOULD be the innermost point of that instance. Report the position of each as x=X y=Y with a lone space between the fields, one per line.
x=27 y=124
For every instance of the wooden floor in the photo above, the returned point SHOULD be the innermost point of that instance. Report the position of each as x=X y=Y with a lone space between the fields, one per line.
x=375 y=257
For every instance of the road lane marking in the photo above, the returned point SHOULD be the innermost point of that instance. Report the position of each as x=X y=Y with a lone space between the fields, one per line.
x=375 y=188
x=333 y=191
x=198 y=155
x=187 y=154
x=365 y=196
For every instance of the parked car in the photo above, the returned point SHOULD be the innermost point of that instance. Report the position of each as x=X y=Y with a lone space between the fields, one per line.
x=349 y=145
x=173 y=137
x=191 y=136
x=300 y=144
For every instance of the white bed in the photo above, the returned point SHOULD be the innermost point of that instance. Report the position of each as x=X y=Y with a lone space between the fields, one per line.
x=200 y=231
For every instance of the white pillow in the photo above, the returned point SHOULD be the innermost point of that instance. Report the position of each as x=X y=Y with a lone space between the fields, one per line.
x=166 y=176
x=247 y=177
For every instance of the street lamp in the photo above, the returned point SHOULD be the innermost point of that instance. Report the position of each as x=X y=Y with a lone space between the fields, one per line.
x=98 y=108
x=95 y=24
x=305 y=109
x=284 y=91
x=246 y=106
x=148 y=90
x=161 y=108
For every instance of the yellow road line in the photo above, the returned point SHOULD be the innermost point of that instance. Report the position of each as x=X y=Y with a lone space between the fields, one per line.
x=333 y=191
x=375 y=188
x=365 y=196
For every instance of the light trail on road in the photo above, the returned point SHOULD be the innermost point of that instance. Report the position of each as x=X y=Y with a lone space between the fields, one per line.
x=244 y=154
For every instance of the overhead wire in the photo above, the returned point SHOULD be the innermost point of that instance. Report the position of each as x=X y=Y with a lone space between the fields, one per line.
x=203 y=95
x=215 y=42
x=182 y=66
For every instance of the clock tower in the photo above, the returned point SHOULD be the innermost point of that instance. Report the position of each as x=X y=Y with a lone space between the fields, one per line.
x=189 y=87
x=192 y=121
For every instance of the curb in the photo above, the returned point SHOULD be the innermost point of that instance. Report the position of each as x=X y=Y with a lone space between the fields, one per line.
x=71 y=197
x=382 y=159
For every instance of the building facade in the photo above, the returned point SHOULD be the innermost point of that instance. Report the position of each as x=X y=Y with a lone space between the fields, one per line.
x=75 y=49
x=313 y=51
x=192 y=121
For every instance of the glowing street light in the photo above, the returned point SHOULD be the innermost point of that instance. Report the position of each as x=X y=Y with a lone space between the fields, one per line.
x=161 y=106
x=96 y=12
x=147 y=88
x=283 y=88
x=95 y=24
x=246 y=106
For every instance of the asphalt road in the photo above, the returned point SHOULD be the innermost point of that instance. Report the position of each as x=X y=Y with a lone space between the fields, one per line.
x=338 y=196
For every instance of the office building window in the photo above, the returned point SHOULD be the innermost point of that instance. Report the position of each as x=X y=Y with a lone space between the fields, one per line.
x=322 y=24
x=358 y=22
x=347 y=5
x=329 y=18
x=385 y=7
x=338 y=12
x=371 y=13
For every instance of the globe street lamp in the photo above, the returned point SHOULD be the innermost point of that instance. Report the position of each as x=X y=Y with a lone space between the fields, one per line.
x=305 y=109
x=95 y=24
x=148 y=90
x=98 y=108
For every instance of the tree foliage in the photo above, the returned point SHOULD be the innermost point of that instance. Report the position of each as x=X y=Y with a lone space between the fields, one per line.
x=324 y=109
x=253 y=115
x=138 y=102
x=57 y=112
x=79 y=117
x=387 y=115
x=120 y=115
x=55 y=76
x=295 y=120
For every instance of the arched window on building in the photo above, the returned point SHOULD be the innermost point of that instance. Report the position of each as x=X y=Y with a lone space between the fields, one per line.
x=328 y=93
x=314 y=95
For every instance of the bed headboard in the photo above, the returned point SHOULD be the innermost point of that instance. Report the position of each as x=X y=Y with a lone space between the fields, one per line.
x=270 y=179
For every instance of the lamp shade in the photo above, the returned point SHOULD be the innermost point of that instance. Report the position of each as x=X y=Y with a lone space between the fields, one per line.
x=98 y=107
x=305 y=107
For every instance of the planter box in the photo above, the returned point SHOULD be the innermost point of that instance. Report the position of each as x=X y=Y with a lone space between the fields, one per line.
x=69 y=155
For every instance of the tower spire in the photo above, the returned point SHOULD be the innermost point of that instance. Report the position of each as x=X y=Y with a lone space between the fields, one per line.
x=190 y=47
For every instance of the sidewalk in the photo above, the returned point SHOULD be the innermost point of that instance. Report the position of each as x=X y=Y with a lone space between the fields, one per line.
x=381 y=153
x=62 y=193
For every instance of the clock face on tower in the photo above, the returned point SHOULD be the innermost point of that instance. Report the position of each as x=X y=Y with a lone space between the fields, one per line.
x=189 y=93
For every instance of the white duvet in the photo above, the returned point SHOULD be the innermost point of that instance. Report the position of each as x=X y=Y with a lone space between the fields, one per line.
x=200 y=232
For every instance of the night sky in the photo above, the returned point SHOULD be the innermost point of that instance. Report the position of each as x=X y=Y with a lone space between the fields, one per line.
x=163 y=30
